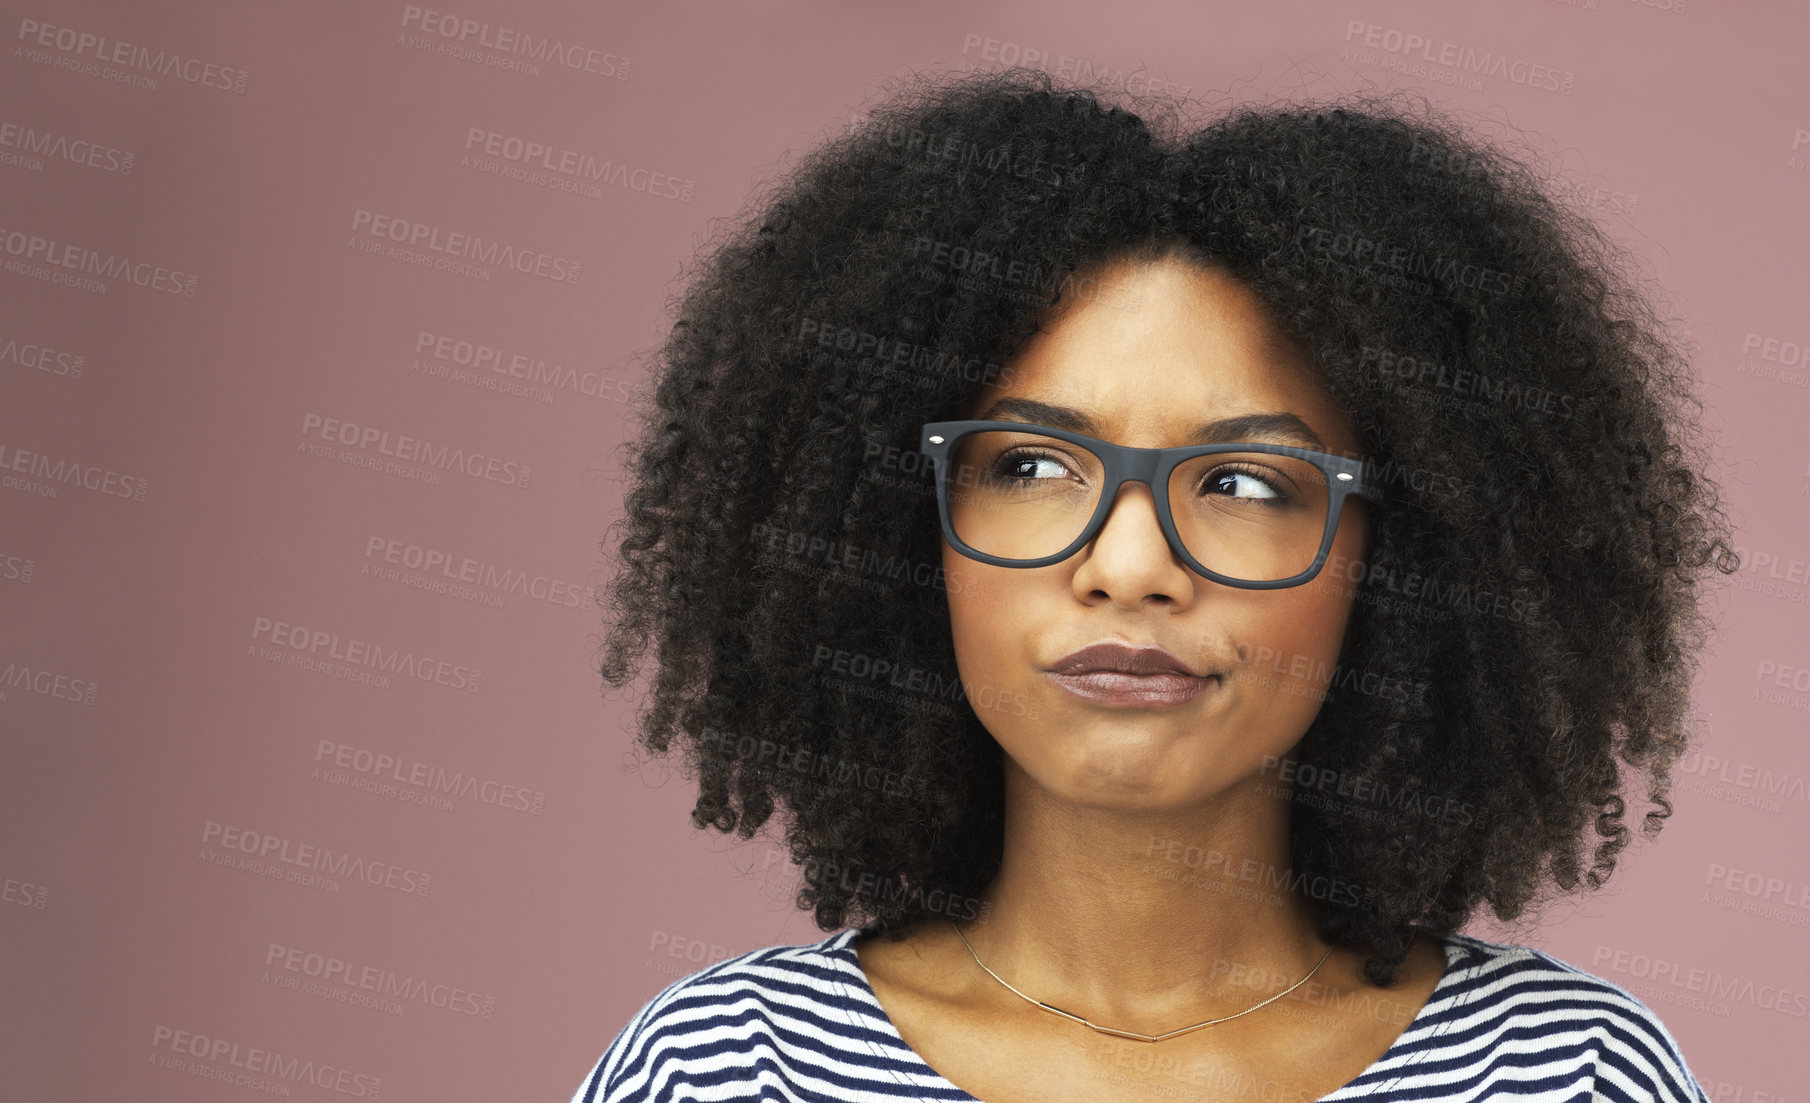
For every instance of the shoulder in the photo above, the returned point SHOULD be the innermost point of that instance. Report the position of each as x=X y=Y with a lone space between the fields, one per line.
x=1529 y=1003
x=726 y=1023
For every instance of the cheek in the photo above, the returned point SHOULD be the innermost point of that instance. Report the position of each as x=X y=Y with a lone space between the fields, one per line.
x=971 y=609
x=990 y=655
x=1292 y=646
x=1290 y=656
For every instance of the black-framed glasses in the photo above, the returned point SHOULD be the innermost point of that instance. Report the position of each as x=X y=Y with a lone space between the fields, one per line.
x=1256 y=516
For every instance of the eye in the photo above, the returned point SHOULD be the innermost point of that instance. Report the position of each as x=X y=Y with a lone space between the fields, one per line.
x=1031 y=465
x=1243 y=482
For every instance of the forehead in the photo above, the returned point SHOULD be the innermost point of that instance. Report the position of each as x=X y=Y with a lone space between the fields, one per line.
x=1150 y=350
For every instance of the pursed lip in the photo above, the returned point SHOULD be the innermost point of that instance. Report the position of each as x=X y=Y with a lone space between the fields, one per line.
x=1122 y=658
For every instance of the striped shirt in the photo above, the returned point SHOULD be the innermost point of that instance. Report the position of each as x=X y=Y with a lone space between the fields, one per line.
x=801 y=1024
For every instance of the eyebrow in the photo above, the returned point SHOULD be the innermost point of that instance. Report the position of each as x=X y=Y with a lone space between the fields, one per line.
x=1279 y=426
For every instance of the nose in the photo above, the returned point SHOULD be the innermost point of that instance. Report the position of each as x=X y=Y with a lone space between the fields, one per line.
x=1130 y=559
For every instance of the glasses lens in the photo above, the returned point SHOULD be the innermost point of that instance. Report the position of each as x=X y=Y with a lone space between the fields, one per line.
x=1256 y=516
x=1253 y=516
x=1021 y=495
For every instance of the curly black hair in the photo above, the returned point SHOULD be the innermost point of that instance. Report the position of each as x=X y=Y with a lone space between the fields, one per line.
x=1536 y=573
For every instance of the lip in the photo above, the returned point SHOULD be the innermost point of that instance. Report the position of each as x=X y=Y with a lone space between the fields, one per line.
x=1114 y=673
x=1123 y=658
x=1135 y=690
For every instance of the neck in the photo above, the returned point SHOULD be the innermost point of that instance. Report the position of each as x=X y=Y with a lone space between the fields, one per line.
x=1146 y=918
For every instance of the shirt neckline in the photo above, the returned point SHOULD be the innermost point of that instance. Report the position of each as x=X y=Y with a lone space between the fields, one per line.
x=840 y=946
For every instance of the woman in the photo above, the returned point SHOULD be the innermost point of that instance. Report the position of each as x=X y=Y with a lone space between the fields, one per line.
x=1169 y=582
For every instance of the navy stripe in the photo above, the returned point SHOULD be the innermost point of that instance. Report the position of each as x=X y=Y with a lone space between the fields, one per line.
x=800 y=1024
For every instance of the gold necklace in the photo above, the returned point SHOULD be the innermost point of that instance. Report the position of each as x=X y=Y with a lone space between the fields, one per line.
x=1134 y=1034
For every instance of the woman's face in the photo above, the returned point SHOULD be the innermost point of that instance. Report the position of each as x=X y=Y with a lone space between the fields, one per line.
x=1160 y=349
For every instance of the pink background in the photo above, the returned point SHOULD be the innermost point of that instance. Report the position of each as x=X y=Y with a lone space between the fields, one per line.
x=148 y=693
